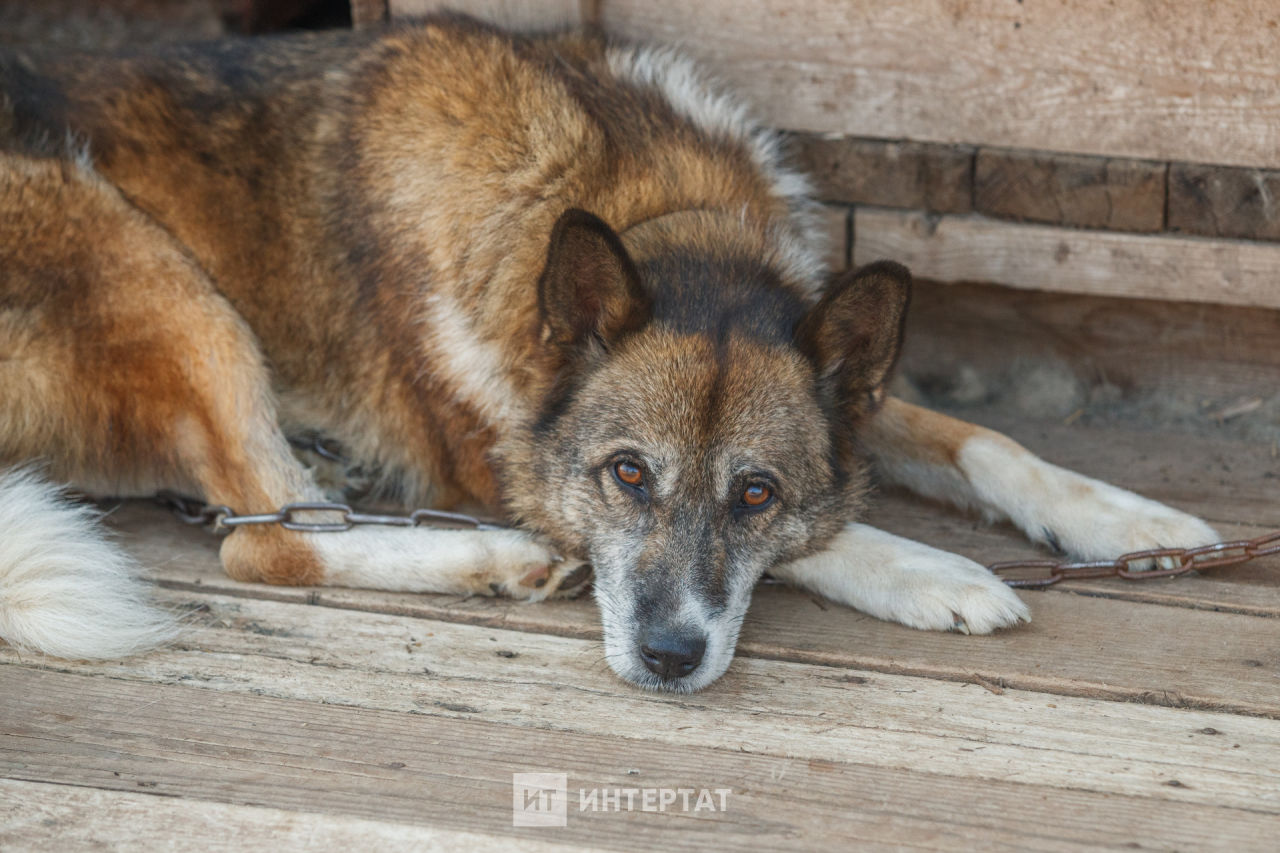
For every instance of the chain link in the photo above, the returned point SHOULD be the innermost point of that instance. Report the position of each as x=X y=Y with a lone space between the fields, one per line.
x=193 y=511
x=1043 y=573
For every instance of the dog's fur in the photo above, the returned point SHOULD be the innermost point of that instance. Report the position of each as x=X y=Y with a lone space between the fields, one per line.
x=559 y=278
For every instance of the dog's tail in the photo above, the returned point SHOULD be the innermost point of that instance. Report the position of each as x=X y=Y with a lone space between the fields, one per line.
x=65 y=589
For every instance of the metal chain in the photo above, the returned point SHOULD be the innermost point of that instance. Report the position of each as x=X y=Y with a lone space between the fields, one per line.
x=1189 y=559
x=1049 y=572
x=193 y=511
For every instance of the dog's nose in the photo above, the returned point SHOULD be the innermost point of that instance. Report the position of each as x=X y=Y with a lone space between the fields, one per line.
x=672 y=655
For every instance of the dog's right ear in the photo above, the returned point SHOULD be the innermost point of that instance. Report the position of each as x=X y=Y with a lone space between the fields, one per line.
x=590 y=288
x=854 y=334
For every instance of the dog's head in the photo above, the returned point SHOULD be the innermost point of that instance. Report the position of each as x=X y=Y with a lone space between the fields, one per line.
x=699 y=432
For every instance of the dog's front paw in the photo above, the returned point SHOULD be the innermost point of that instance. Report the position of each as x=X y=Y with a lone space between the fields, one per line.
x=561 y=578
x=1096 y=521
x=1078 y=515
x=947 y=592
x=897 y=579
x=531 y=570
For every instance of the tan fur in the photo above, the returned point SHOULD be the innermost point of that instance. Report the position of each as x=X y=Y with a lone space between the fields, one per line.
x=126 y=370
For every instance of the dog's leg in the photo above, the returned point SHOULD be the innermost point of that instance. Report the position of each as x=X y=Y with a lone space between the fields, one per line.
x=128 y=372
x=904 y=581
x=226 y=439
x=973 y=467
x=950 y=460
x=239 y=457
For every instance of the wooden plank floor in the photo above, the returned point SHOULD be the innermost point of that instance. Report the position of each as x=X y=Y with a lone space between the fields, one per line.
x=1125 y=715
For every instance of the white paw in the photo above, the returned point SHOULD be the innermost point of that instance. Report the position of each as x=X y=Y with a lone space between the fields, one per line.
x=1097 y=521
x=947 y=592
x=897 y=579
x=530 y=570
x=1086 y=518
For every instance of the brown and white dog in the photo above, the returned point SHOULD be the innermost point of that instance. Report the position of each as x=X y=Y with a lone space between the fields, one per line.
x=561 y=278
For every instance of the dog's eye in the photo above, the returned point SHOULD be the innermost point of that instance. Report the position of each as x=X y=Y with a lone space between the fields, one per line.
x=756 y=495
x=629 y=474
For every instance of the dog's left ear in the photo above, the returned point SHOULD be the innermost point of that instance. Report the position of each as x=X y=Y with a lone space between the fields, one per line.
x=855 y=332
x=590 y=287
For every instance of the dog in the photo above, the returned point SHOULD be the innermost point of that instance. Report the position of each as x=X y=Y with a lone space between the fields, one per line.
x=562 y=278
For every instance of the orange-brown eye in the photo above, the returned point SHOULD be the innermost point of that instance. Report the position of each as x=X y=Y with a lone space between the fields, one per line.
x=629 y=473
x=756 y=495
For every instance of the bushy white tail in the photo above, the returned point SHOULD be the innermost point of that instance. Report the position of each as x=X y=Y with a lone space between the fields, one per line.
x=65 y=590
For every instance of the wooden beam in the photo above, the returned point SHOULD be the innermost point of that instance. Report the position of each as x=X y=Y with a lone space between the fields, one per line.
x=1070 y=189
x=1223 y=202
x=1197 y=81
x=835 y=221
x=517 y=14
x=979 y=345
x=932 y=177
x=971 y=248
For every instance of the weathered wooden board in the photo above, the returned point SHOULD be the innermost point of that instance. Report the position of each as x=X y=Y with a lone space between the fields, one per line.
x=937 y=178
x=1223 y=202
x=1042 y=257
x=455 y=774
x=1075 y=645
x=517 y=14
x=1192 y=81
x=38 y=817
x=1063 y=189
x=765 y=707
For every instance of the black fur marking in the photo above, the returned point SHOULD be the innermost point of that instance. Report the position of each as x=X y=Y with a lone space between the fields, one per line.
x=696 y=293
x=38 y=110
x=556 y=403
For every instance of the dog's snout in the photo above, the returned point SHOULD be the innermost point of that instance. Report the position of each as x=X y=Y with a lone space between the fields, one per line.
x=671 y=655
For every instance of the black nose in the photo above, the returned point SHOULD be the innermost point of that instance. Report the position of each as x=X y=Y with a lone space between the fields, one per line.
x=671 y=654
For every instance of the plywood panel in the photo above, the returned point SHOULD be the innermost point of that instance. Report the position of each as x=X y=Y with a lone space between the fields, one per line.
x=1180 y=80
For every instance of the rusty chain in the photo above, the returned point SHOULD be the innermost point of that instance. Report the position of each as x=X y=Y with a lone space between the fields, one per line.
x=1189 y=559
x=1048 y=572
x=193 y=511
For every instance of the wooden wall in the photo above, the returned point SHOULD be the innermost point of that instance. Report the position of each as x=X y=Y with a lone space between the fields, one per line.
x=1128 y=148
